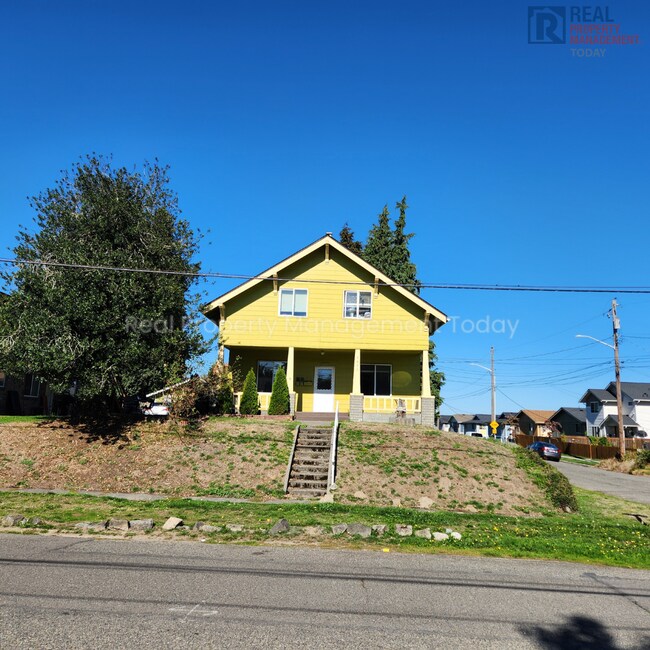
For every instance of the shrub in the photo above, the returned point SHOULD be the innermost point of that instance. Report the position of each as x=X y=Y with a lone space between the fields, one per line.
x=211 y=394
x=642 y=459
x=555 y=485
x=279 y=404
x=250 y=399
x=600 y=441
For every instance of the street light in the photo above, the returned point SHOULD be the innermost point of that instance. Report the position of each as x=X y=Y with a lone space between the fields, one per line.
x=617 y=369
x=491 y=371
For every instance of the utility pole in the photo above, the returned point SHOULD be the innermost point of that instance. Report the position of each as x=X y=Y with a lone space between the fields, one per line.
x=494 y=385
x=617 y=367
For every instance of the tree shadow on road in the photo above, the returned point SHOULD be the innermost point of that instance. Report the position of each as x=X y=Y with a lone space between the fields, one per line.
x=578 y=633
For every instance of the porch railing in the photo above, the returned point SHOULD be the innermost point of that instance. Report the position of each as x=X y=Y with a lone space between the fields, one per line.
x=265 y=399
x=377 y=404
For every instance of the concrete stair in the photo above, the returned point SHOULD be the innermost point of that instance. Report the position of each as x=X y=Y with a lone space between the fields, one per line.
x=309 y=470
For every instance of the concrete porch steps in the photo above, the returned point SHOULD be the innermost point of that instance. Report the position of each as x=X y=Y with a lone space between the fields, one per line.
x=310 y=467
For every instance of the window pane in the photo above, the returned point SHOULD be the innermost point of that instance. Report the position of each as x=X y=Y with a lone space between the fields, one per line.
x=324 y=379
x=364 y=298
x=351 y=297
x=382 y=374
x=368 y=380
x=286 y=302
x=300 y=302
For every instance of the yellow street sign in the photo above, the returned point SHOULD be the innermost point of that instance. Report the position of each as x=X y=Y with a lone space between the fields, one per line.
x=494 y=425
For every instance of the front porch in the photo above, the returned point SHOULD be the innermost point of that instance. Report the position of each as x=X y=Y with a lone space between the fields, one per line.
x=366 y=385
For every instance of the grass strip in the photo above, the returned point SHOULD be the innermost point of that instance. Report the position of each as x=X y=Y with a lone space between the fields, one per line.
x=589 y=536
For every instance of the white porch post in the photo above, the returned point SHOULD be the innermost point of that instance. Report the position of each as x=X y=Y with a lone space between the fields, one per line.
x=356 y=373
x=290 y=372
x=426 y=379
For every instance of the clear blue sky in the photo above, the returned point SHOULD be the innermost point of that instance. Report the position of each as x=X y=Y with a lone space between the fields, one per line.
x=282 y=120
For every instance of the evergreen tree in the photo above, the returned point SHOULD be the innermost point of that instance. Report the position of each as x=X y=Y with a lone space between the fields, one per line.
x=436 y=378
x=402 y=269
x=346 y=237
x=379 y=246
x=279 y=404
x=250 y=399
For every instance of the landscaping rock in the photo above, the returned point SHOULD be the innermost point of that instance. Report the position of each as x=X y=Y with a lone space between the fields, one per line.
x=235 y=528
x=34 y=521
x=281 y=526
x=12 y=520
x=397 y=503
x=360 y=495
x=141 y=524
x=403 y=530
x=95 y=526
x=440 y=537
x=206 y=528
x=171 y=523
x=425 y=533
x=327 y=498
x=118 y=524
x=455 y=535
x=425 y=503
x=339 y=529
x=313 y=531
x=359 y=529
x=448 y=531
x=379 y=529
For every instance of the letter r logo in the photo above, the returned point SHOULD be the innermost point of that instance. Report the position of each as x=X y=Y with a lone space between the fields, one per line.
x=547 y=25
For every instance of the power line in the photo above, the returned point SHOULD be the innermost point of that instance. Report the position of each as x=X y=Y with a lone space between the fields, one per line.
x=423 y=285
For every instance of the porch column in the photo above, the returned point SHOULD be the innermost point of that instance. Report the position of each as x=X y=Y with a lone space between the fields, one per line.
x=356 y=398
x=428 y=403
x=356 y=373
x=290 y=373
x=426 y=378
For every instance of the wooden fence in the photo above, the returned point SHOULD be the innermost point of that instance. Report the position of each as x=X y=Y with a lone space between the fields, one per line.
x=581 y=446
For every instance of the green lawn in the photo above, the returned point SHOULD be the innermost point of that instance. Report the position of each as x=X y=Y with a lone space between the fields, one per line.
x=26 y=419
x=599 y=534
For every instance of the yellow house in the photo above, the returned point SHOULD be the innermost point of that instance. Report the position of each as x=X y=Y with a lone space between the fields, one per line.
x=347 y=337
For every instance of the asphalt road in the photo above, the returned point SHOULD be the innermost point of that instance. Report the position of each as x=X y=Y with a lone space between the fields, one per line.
x=69 y=592
x=626 y=486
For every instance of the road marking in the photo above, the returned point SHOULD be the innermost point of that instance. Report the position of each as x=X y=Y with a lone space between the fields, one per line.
x=195 y=611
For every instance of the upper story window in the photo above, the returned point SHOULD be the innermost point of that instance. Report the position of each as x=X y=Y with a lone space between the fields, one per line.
x=594 y=407
x=358 y=304
x=32 y=385
x=293 y=302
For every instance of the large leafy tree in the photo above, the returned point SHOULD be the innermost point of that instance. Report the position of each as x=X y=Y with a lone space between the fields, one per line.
x=109 y=333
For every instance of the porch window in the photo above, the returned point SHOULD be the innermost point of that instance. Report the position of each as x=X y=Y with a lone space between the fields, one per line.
x=594 y=407
x=357 y=304
x=2 y=378
x=266 y=371
x=32 y=385
x=376 y=379
x=293 y=302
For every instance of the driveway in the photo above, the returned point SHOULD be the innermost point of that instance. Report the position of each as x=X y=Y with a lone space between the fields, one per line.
x=625 y=486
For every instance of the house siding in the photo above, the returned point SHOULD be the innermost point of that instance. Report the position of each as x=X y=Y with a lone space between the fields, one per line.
x=252 y=318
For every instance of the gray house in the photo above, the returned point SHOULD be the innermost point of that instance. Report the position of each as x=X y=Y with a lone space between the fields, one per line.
x=570 y=421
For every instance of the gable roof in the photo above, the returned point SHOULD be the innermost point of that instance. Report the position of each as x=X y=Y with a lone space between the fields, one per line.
x=264 y=276
x=538 y=417
x=600 y=394
x=462 y=418
x=483 y=418
x=578 y=414
x=444 y=419
x=637 y=390
x=613 y=420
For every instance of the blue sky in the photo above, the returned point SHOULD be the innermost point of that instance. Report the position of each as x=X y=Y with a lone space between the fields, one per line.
x=522 y=164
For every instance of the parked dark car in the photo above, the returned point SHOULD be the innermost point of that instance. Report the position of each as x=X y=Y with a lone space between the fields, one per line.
x=546 y=450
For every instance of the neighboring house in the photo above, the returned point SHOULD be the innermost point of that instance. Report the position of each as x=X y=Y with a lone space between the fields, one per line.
x=506 y=420
x=602 y=412
x=24 y=395
x=443 y=423
x=470 y=423
x=534 y=422
x=570 y=421
x=345 y=337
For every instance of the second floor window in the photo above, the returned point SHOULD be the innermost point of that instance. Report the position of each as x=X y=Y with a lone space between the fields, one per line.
x=594 y=407
x=293 y=302
x=358 y=304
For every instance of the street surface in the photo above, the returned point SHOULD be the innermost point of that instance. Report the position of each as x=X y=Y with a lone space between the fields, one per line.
x=70 y=592
x=625 y=486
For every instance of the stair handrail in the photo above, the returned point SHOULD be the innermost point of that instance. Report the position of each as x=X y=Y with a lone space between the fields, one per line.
x=331 y=475
x=287 y=474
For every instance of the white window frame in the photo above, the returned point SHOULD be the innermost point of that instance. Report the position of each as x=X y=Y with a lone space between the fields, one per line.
x=36 y=381
x=345 y=304
x=293 y=303
x=374 y=365
x=591 y=407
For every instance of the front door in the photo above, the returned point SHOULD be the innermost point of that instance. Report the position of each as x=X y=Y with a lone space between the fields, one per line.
x=323 y=390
